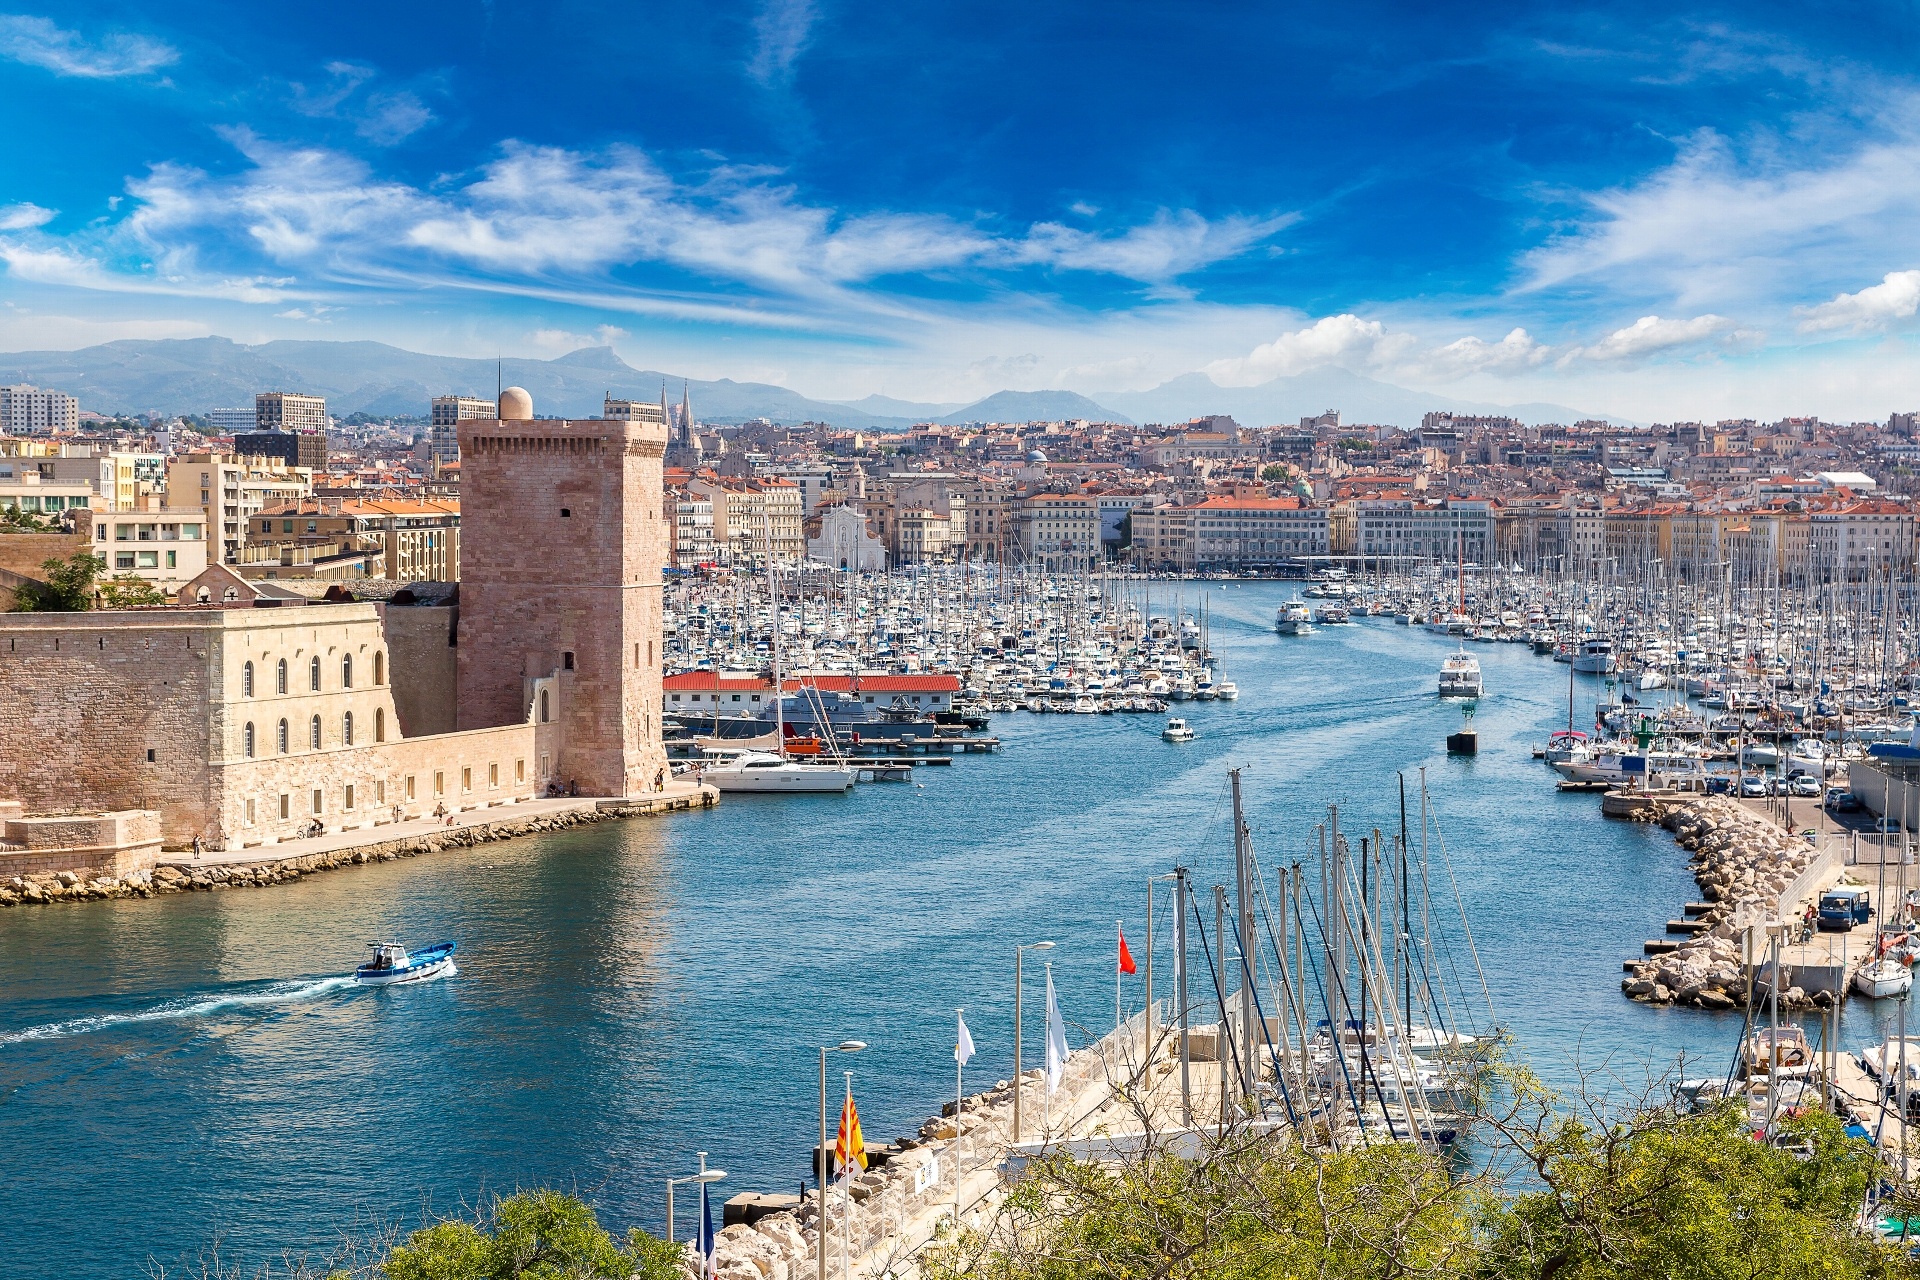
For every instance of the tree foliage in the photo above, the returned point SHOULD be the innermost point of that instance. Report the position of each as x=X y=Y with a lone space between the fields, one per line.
x=67 y=586
x=1540 y=1193
x=535 y=1235
x=127 y=591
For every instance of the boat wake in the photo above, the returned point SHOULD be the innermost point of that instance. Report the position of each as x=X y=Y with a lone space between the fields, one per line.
x=279 y=993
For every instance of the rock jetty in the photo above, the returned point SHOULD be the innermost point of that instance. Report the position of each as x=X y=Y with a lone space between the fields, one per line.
x=897 y=1206
x=1742 y=863
x=86 y=885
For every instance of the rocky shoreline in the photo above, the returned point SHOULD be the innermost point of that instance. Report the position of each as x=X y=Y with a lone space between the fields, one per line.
x=1742 y=863
x=87 y=885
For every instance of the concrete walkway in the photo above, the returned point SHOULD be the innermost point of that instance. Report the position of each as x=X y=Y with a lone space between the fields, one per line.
x=679 y=794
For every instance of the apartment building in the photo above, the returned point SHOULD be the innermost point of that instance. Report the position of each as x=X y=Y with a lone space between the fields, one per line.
x=225 y=422
x=692 y=528
x=1235 y=531
x=1413 y=529
x=25 y=408
x=445 y=416
x=1060 y=530
x=417 y=541
x=289 y=411
x=233 y=491
x=1860 y=541
x=165 y=547
x=746 y=513
x=1163 y=536
x=990 y=512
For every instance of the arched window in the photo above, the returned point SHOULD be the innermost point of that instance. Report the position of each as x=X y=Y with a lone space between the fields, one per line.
x=280 y=677
x=246 y=681
x=346 y=671
x=247 y=737
x=546 y=709
x=346 y=729
x=379 y=720
x=282 y=740
x=379 y=668
x=313 y=673
x=313 y=732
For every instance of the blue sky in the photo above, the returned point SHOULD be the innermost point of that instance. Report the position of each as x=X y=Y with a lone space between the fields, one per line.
x=1648 y=210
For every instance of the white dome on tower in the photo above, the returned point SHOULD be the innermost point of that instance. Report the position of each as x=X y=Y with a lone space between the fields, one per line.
x=516 y=405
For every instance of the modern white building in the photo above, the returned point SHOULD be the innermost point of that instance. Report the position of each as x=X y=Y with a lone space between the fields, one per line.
x=25 y=408
x=289 y=411
x=165 y=547
x=224 y=422
x=448 y=413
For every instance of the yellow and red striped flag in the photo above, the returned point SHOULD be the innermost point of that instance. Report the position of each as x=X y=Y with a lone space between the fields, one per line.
x=849 y=1148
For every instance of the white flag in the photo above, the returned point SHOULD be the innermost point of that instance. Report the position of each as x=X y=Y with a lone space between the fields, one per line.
x=1056 y=1039
x=963 y=1050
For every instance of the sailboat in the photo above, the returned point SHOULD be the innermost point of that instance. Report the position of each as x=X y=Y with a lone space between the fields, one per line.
x=773 y=770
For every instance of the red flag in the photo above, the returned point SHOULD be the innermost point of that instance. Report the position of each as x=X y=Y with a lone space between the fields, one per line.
x=1126 y=956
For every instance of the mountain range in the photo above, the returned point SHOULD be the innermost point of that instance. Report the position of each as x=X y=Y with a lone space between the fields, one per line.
x=192 y=375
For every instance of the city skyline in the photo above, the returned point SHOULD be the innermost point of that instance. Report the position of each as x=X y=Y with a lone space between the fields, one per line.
x=1652 y=214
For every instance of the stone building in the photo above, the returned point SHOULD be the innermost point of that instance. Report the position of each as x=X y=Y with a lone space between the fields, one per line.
x=241 y=722
x=564 y=543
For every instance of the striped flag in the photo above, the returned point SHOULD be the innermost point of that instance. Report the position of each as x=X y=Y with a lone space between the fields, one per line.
x=849 y=1148
x=709 y=1259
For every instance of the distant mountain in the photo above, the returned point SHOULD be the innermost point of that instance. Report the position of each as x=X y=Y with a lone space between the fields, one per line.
x=197 y=374
x=1287 y=400
x=1034 y=406
x=910 y=409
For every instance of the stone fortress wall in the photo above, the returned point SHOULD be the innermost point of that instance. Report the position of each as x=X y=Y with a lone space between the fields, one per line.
x=241 y=725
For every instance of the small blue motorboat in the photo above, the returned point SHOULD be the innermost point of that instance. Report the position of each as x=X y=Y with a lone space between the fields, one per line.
x=393 y=963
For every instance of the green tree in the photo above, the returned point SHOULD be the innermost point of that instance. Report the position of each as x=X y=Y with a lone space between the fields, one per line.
x=1274 y=472
x=125 y=591
x=535 y=1235
x=67 y=588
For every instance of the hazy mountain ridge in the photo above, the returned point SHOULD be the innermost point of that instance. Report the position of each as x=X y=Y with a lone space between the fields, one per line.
x=192 y=375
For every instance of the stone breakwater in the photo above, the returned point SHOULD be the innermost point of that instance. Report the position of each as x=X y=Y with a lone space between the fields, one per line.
x=87 y=885
x=894 y=1209
x=1742 y=863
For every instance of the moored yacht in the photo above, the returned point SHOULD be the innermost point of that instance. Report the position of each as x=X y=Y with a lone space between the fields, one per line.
x=1594 y=657
x=766 y=771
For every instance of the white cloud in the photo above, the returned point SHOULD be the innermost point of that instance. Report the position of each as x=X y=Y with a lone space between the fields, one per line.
x=549 y=222
x=38 y=42
x=1726 y=225
x=20 y=217
x=1896 y=297
x=384 y=117
x=1368 y=347
x=1345 y=341
x=1649 y=335
x=1170 y=246
x=780 y=31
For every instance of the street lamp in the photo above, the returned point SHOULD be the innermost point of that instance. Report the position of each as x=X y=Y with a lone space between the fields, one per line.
x=1030 y=946
x=705 y=1175
x=821 y=1162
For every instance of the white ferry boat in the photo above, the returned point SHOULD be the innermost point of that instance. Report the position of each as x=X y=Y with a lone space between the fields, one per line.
x=1460 y=676
x=1594 y=657
x=1294 y=619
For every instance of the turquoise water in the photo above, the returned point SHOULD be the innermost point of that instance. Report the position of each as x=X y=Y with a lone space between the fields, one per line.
x=190 y=1068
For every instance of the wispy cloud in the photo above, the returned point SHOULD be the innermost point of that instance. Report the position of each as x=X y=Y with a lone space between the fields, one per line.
x=780 y=32
x=1368 y=346
x=18 y=217
x=38 y=42
x=383 y=117
x=553 y=222
x=1896 y=297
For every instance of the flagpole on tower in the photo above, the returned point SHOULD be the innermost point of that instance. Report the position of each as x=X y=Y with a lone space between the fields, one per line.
x=1119 y=941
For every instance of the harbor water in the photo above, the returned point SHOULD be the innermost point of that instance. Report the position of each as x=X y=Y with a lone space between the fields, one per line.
x=192 y=1069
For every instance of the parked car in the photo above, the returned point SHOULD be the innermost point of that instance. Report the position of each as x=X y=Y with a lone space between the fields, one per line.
x=1841 y=800
x=1753 y=787
x=1806 y=785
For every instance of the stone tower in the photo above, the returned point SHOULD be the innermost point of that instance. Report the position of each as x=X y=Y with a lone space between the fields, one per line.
x=562 y=543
